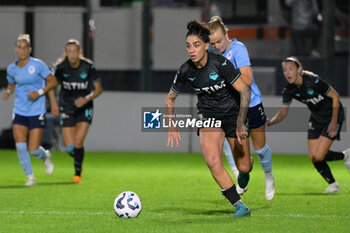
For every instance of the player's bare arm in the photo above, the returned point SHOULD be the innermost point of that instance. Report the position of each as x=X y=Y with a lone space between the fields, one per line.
x=81 y=101
x=173 y=134
x=246 y=75
x=53 y=103
x=244 y=91
x=10 y=89
x=279 y=116
x=51 y=83
x=332 y=128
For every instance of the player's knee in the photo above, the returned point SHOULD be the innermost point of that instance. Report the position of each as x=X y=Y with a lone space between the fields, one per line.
x=245 y=168
x=259 y=145
x=316 y=158
x=78 y=144
x=213 y=163
x=21 y=146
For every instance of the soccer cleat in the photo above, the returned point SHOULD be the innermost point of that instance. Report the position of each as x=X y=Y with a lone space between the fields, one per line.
x=235 y=172
x=76 y=179
x=30 y=180
x=269 y=186
x=241 y=211
x=240 y=190
x=48 y=163
x=333 y=188
x=347 y=158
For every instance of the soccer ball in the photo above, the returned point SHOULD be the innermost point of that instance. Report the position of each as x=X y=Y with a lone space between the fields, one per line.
x=127 y=205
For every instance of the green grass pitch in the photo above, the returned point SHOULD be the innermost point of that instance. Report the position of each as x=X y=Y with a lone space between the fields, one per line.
x=178 y=195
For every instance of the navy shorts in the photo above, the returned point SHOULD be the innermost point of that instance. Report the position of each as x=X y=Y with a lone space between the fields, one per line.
x=256 y=116
x=320 y=129
x=81 y=115
x=32 y=122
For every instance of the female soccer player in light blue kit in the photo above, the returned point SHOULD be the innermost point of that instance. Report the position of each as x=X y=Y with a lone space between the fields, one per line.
x=27 y=76
x=237 y=53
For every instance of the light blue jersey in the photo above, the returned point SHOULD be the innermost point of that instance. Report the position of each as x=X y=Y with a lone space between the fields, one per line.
x=237 y=53
x=29 y=78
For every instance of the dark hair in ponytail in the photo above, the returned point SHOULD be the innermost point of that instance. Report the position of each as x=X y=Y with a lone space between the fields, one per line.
x=198 y=29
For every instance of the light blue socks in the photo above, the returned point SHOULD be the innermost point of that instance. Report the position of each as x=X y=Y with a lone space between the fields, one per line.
x=265 y=158
x=24 y=158
x=39 y=153
x=228 y=153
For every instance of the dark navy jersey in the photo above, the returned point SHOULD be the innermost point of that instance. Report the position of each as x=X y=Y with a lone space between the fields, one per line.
x=313 y=92
x=75 y=83
x=212 y=86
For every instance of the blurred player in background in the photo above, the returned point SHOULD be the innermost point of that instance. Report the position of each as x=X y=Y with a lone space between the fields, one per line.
x=79 y=86
x=237 y=53
x=30 y=78
x=327 y=116
x=211 y=75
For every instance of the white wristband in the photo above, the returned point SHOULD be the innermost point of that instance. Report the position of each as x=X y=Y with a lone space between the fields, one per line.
x=8 y=91
x=89 y=95
x=41 y=92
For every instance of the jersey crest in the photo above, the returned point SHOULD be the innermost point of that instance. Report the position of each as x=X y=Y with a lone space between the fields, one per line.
x=31 y=69
x=213 y=75
x=83 y=75
x=229 y=55
x=310 y=91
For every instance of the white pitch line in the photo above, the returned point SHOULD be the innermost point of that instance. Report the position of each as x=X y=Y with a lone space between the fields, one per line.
x=111 y=213
x=299 y=216
x=55 y=212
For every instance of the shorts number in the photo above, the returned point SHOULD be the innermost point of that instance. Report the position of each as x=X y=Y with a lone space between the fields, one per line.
x=41 y=117
x=88 y=113
x=260 y=109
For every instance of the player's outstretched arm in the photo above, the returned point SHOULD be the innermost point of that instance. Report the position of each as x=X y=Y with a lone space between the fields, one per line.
x=279 y=116
x=173 y=132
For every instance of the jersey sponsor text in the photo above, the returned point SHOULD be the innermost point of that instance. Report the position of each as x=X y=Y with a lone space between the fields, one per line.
x=75 y=85
x=211 y=89
x=314 y=100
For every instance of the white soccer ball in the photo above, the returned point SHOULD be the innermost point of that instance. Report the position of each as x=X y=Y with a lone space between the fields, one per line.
x=127 y=205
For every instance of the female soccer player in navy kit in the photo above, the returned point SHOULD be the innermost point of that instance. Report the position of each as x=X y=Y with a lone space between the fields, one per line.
x=212 y=76
x=79 y=86
x=27 y=77
x=327 y=115
x=237 y=53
